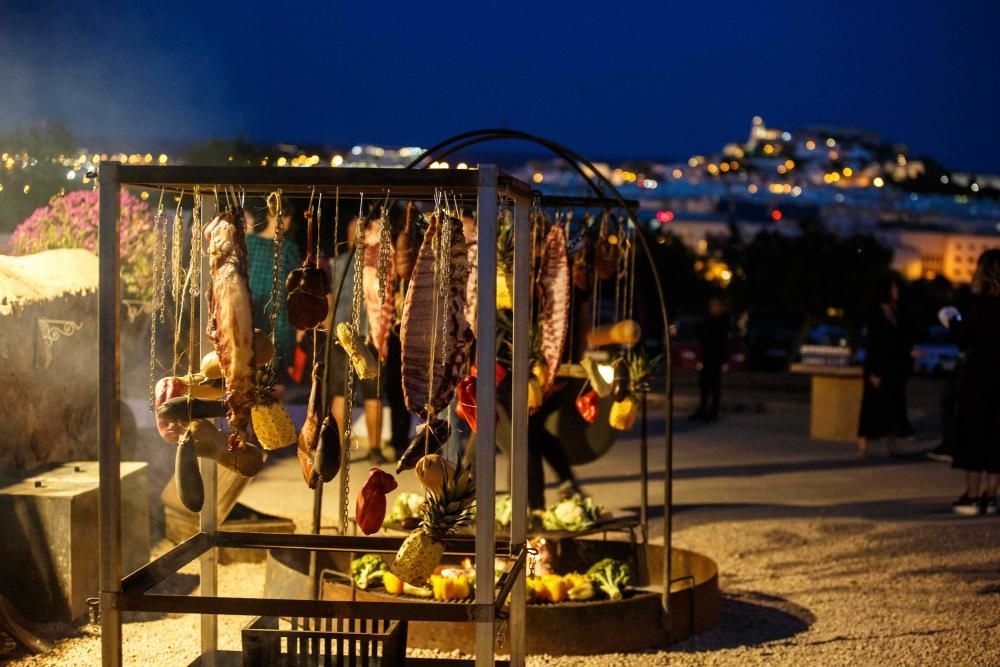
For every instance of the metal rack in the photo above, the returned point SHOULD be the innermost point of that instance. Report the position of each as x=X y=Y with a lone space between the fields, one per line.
x=607 y=195
x=132 y=592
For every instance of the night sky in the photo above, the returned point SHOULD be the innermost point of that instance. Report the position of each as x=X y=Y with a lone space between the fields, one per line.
x=653 y=79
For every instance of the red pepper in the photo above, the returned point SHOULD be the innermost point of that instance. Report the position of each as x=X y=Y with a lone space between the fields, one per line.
x=587 y=405
x=465 y=395
x=501 y=373
x=370 y=509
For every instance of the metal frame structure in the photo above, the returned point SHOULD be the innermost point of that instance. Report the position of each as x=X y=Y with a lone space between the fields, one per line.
x=607 y=195
x=131 y=593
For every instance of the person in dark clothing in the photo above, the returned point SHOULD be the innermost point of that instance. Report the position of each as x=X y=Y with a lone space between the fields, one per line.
x=713 y=338
x=949 y=416
x=977 y=448
x=399 y=417
x=887 y=366
x=542 y=445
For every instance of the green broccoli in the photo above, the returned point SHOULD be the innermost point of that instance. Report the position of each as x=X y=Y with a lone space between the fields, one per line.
x=611 y=576
x=368 y=570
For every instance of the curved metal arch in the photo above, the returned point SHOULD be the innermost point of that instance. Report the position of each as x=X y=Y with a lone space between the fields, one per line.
x=575 y=160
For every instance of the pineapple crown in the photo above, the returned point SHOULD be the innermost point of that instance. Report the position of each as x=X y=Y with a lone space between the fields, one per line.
x=442 y=515
x=505 y=243
x=264 y=381
x=641 y=366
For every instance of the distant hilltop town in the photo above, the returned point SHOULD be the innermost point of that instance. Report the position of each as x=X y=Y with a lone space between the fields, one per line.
x=936 y=220
x=850 y=181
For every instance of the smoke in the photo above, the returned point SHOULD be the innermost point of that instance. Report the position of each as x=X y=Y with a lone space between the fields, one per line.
x=109 y=69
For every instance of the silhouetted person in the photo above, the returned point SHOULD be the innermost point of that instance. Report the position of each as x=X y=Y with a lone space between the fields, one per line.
x=888 y=363
x=713 y=338
x=945 y=450
x=977 y=447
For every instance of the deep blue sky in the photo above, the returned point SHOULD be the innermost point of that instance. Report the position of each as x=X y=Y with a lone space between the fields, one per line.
x=651 y=79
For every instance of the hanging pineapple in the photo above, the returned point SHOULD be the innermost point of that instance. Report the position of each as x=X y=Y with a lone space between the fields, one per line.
x=623 y=412
x=505 y=266
x=271 y=421
x=441 y=514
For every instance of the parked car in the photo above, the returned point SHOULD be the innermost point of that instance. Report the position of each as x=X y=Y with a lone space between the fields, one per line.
x=938 y=354
x=829 y=345
x=685 y=350
x=771 y=341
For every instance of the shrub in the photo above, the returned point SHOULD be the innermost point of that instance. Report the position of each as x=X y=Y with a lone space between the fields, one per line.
x=71 y=221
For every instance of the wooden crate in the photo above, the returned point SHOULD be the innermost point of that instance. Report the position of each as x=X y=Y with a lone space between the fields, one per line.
x=332 y=642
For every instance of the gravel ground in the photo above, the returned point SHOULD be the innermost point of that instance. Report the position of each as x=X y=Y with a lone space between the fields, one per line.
x=824 y=559
x=817 y=591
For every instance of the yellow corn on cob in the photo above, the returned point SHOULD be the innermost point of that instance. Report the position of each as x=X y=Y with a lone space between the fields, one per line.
x=361 y=358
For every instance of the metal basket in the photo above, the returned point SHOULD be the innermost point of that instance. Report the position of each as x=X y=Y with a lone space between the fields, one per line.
x=330 y=642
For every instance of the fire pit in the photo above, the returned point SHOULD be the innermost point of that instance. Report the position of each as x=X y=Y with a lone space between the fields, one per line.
x=633 y=623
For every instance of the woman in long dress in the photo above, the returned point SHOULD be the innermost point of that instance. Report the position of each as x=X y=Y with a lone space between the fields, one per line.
x=977 y=450
x=887 y=366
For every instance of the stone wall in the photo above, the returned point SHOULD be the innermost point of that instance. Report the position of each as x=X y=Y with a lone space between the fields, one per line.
x=48 y=359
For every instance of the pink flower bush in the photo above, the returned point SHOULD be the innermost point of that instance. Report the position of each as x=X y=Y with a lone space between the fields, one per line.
x=71 y=222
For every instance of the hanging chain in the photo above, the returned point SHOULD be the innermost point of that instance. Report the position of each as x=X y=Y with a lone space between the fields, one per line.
x=274 y=209
x=384 y=246
x=384 y=259
x=357 y=287
x=436 y=264
x=159 y=296
x=176 y=253
x=444 y=270
x=194 y=274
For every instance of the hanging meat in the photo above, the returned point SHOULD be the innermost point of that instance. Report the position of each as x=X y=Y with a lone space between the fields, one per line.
x=230 y=317
x=308 y=287
x=404 y=248
x=380 y=312
x=319 y=441
x=554 y=284
x=472 y=289
x=441 y=333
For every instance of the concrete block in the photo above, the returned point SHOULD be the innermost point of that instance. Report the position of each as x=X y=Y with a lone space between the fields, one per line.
x=49 y=554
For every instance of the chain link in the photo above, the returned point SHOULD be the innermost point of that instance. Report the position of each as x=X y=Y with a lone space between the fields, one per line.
x=159 y=296
x=384 y=246
x=194 y=286
x=274 y=209
x=356 y=300
x=177 y=254
x=444 y=259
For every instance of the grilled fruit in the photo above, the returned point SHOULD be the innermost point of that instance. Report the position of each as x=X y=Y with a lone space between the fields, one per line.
x=434 y=471
x=441 y=515
x=361 y=357
x=271 y=421
x=622 y=416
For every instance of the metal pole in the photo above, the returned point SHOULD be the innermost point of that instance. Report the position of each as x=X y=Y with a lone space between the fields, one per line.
x=668 y=486
x=109 y=416
x=317 y=518
x=486 y=319
x=644 y=468
x=208 y=518
x=519 y=423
